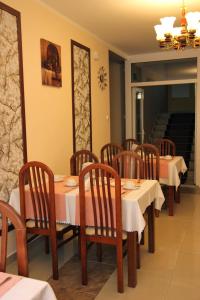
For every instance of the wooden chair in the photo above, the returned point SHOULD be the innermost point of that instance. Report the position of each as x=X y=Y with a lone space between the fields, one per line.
x=150 y=156
x=166 y=147
x=106 y=211
x=79 y=158
x=108 y=151
x=36 y=185
x=128 y=164
x=8 y=214
x=128 y=144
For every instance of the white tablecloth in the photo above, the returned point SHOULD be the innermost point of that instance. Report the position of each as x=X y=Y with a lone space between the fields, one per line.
x=30 y=289
x=134 y=204
x=175 y=166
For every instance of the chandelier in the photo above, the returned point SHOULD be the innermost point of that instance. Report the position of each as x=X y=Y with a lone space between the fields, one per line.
x=188 y=34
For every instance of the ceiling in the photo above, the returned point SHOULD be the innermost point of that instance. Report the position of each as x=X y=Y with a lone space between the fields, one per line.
x=126 y=25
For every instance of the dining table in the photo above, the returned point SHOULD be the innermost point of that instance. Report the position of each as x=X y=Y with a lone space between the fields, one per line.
x=146 y=196
x=170 y=169
x=23 y=288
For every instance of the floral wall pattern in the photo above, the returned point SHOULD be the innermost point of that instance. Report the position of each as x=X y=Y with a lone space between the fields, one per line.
x=11 y=133
x=81 y=96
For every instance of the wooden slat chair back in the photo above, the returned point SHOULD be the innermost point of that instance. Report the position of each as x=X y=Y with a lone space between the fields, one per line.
x=166 y=147
x=106 y=212
x=38 y=179
x=128 y=164
x=108 y=151
x=128 y=144
x=150 y=156
x=8 y=214
x=79 y=158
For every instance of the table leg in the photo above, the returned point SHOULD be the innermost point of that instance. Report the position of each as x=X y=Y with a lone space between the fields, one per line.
x=151 y=227
x=171 y=200
x=132 y=262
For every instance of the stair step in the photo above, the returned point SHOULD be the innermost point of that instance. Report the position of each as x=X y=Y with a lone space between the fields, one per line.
x=178 y=127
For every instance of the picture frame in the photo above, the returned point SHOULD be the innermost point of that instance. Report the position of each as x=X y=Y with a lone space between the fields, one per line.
x=13 y=147
x=81 y=97
x=51 y=63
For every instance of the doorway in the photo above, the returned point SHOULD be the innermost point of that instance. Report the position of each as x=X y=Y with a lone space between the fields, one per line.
x=117 y=98
x=167 y=111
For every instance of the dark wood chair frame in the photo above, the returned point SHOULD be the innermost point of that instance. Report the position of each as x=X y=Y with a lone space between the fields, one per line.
x=129 y=164
x=166 y=147
x=128 y=143
x=150 y=156
x=110 y=150
x=80 y=157
x=8 y=214
x=40 y=180
x=105 y=232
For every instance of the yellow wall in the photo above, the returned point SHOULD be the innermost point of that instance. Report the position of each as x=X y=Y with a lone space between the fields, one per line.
x=49 y=109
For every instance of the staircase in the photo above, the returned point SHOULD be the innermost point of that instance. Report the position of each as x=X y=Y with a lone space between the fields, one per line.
x=159 y=127
x=190 y=173
x=180 y=129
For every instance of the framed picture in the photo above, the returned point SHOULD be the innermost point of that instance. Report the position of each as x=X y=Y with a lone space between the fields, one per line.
x=81 y=97
x=13 y=153
x=51 y=63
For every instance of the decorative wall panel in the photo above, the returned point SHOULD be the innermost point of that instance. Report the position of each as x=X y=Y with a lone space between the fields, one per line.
x=81 y=97
x=12 y=123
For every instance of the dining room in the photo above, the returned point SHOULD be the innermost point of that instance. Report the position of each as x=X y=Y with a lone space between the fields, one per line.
x=54 y=103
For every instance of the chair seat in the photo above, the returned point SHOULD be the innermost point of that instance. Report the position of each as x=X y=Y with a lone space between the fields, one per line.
x=59 y=227
x=91 y=231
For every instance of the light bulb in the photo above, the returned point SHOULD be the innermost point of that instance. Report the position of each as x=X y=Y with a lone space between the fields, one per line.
x=159 y=32
x=168 y=23
x=193 y=19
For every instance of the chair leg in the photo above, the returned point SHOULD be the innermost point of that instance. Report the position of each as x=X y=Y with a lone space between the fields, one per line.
x=177 y=194
x=142 y=238
x=79 y=246
x=54 y=257
x=46 y=244
x=138 y=256
x=84 y=260
x=120 y=280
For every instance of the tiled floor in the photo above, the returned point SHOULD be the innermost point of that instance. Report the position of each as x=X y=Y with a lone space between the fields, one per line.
x=171 y=273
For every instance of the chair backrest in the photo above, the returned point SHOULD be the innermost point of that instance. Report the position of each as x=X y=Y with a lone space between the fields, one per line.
x=108 y=151
x=166 y=147
x=105 y=202
x=128 y=164
x=150 y=155
x=128 y=144
x=8 y=214
x=79 y=158
x=36 y=185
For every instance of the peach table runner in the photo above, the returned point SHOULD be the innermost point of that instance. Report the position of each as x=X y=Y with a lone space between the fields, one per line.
x=23 y=288
x=170 y=169
x=7 y=281
x=134 y=203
